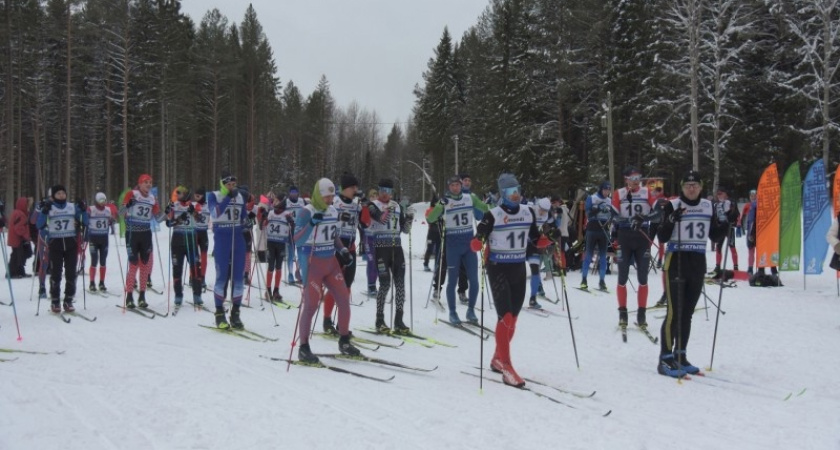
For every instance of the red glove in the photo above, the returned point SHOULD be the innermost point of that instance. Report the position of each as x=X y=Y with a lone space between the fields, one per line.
x=476 y=244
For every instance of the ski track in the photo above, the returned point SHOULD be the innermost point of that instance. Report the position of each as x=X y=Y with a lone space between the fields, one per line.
x=125 y=382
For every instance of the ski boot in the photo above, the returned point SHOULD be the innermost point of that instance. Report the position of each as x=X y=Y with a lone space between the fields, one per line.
x=235 y=321
x=371 y=292
x=178 y=300
x=42 y=292
x=102 y=287
x=197 y=300
x=68 y=304
x=346 y=348
x=533 y=304
x=141 y=300
x=329 y=328
x=275 y=295
x=129 y=300
x=381 y=326
x=221 y=320
x=306 y=356
x=55 y=306
x=471 y=318
x=399 y=326
x=622 y=318
x=453 y=318
x=602 y=285
x=669 y=367
x=584 y=285
x=541 y=291
x=92 y=286
x=663 y=301
x=426 y=268
x=462 y=297
x=684 y=364
x=641 y=320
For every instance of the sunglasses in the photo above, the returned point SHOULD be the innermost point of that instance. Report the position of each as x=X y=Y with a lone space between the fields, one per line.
x=507 y=192
x=634 y=177
x=227 y=180
x=386 y=190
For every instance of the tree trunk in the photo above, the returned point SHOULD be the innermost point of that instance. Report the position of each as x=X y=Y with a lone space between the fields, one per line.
x=68 y=148
x=108 y=149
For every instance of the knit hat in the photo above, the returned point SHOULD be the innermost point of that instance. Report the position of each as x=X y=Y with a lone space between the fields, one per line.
x=293 y=189
x=605 y=185
x=386 y=183
x=201 y=191
x=55 y=189
x=226 y=177
x=323 y=188
x=692 y=176
x=544 y=203
x=454 y=179
x=631 y=170
x=347 y=180
x=464 y=175
x=507 y=180
x=100 y=198
x=142 y=178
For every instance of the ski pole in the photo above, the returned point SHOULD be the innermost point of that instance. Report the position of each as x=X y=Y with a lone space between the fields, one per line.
x=410 y=280
x=9 y=280
x=569 y=311
x=720 y=300
x=301 y=306
x=481 y=339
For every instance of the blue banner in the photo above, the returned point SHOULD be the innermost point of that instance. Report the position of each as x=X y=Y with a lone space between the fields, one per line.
x=816 y=216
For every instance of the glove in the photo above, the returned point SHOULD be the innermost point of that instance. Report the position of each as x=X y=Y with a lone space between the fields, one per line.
x=317 y=218
x=183 y=217
x=252 y=216
x=476 y=244
x=191 y=208
x=604 y=207
x=46 y=207
x=636 y=222
x=168 y=208
x=344 y=257
x=443 y=201
x=676 y=216
x=409 y=217
x=345 y=216
x=81 y=204
x=130 y=202
x=200 y=219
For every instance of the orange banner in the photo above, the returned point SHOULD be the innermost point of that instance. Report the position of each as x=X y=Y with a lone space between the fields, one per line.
x=768 y=202
x=835 y=194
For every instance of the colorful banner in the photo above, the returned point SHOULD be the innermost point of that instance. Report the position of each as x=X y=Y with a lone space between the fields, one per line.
x=767 y=218
x=816 y=217
x=835 y=195
x=790 y=244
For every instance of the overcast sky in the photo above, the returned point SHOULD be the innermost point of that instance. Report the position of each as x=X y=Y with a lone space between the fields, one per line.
x=371 y=51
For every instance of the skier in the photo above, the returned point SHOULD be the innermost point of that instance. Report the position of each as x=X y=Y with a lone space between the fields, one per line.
x=747 y=222
x=19 y=240
x=320 y=249
x=726 y=212
x=350 y=213
x=42 y=253
x=368 y=248
x=248 y=232
x=202 y=224
x=432 y=237
x=388 y=220
x=139 y=208
x=227 y=209
x=548 y=233
x=635 y=206
x=293 y=204
x=510 y=232
x=181 y=216
x=599 y=215
x=458 y=211
x=276 y=225
x=102 y=217
x=62 y=221
x=689 y=222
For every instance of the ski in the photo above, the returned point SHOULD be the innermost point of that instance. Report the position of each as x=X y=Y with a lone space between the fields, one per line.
x=437 y=304
x=645 y=331
x=479 y=326
x=587 y=290
x=30 y=352
x=552 y=313
x=63 y=318
x=465 y=329
x=321 y=365
x=699 y=308
x=232 y=332
x=175 y=310
x=137 y=311
x=147 y=309
x=623 y=329
x=537 y=393
x=201 y=307
x=295 y=284
x=384 y=362
x=256 y=335
x=550 y=300
x=401 y=338
x=704 y=376
x=97 y=293
x=8 y=359
x=361 y=344
x=149 y=288
x=82 y=316
x=559 y=389
x=536 y=311
x=281 y=304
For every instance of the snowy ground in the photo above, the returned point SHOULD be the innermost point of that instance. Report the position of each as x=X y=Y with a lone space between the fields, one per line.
x=125 y=382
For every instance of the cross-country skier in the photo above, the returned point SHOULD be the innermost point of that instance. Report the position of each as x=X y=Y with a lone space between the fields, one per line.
x=227 y=209
x=747 y=221
x=202 y=224
x=510 y=231
x=368 y=247
x=181 y=216
x=458 y=212
x=599 y=216
x=63 y=221
x=549 y=233
x=318 y=240
x=726 y=211
x=293 y=204
x=102 y=216
x=388 y=221
x=688 y=224
x=277 y=226
x=139 y=207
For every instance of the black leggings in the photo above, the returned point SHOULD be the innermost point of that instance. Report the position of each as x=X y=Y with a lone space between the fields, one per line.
x=507 y=283
x=684 y=275
x=63 y=255
x=275 y=253
x=634 y=246
x=98 y=251
x=184 y=247
x=390 y=262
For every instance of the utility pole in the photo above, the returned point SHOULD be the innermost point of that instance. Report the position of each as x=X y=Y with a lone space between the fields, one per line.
x=456 y=153
x=610 y=150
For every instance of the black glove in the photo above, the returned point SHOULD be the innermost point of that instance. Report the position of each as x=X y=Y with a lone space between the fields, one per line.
x=200 y=219
x=676 y=216
x=81 y=204
x=409 y=217
x=183 y=217
x=344 y=257
x=191 y=208
x=345 y=216
x=232 y=193
x=252 y=216
x=443 y=200
x=46 y=207
x=130 y=203
x=636 y=222
x=317 y=218
x=168 y=209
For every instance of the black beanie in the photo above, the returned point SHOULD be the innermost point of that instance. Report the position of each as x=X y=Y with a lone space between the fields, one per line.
x=226 y=175
x=57 y=188
x=386 y=183
x=348 y=180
